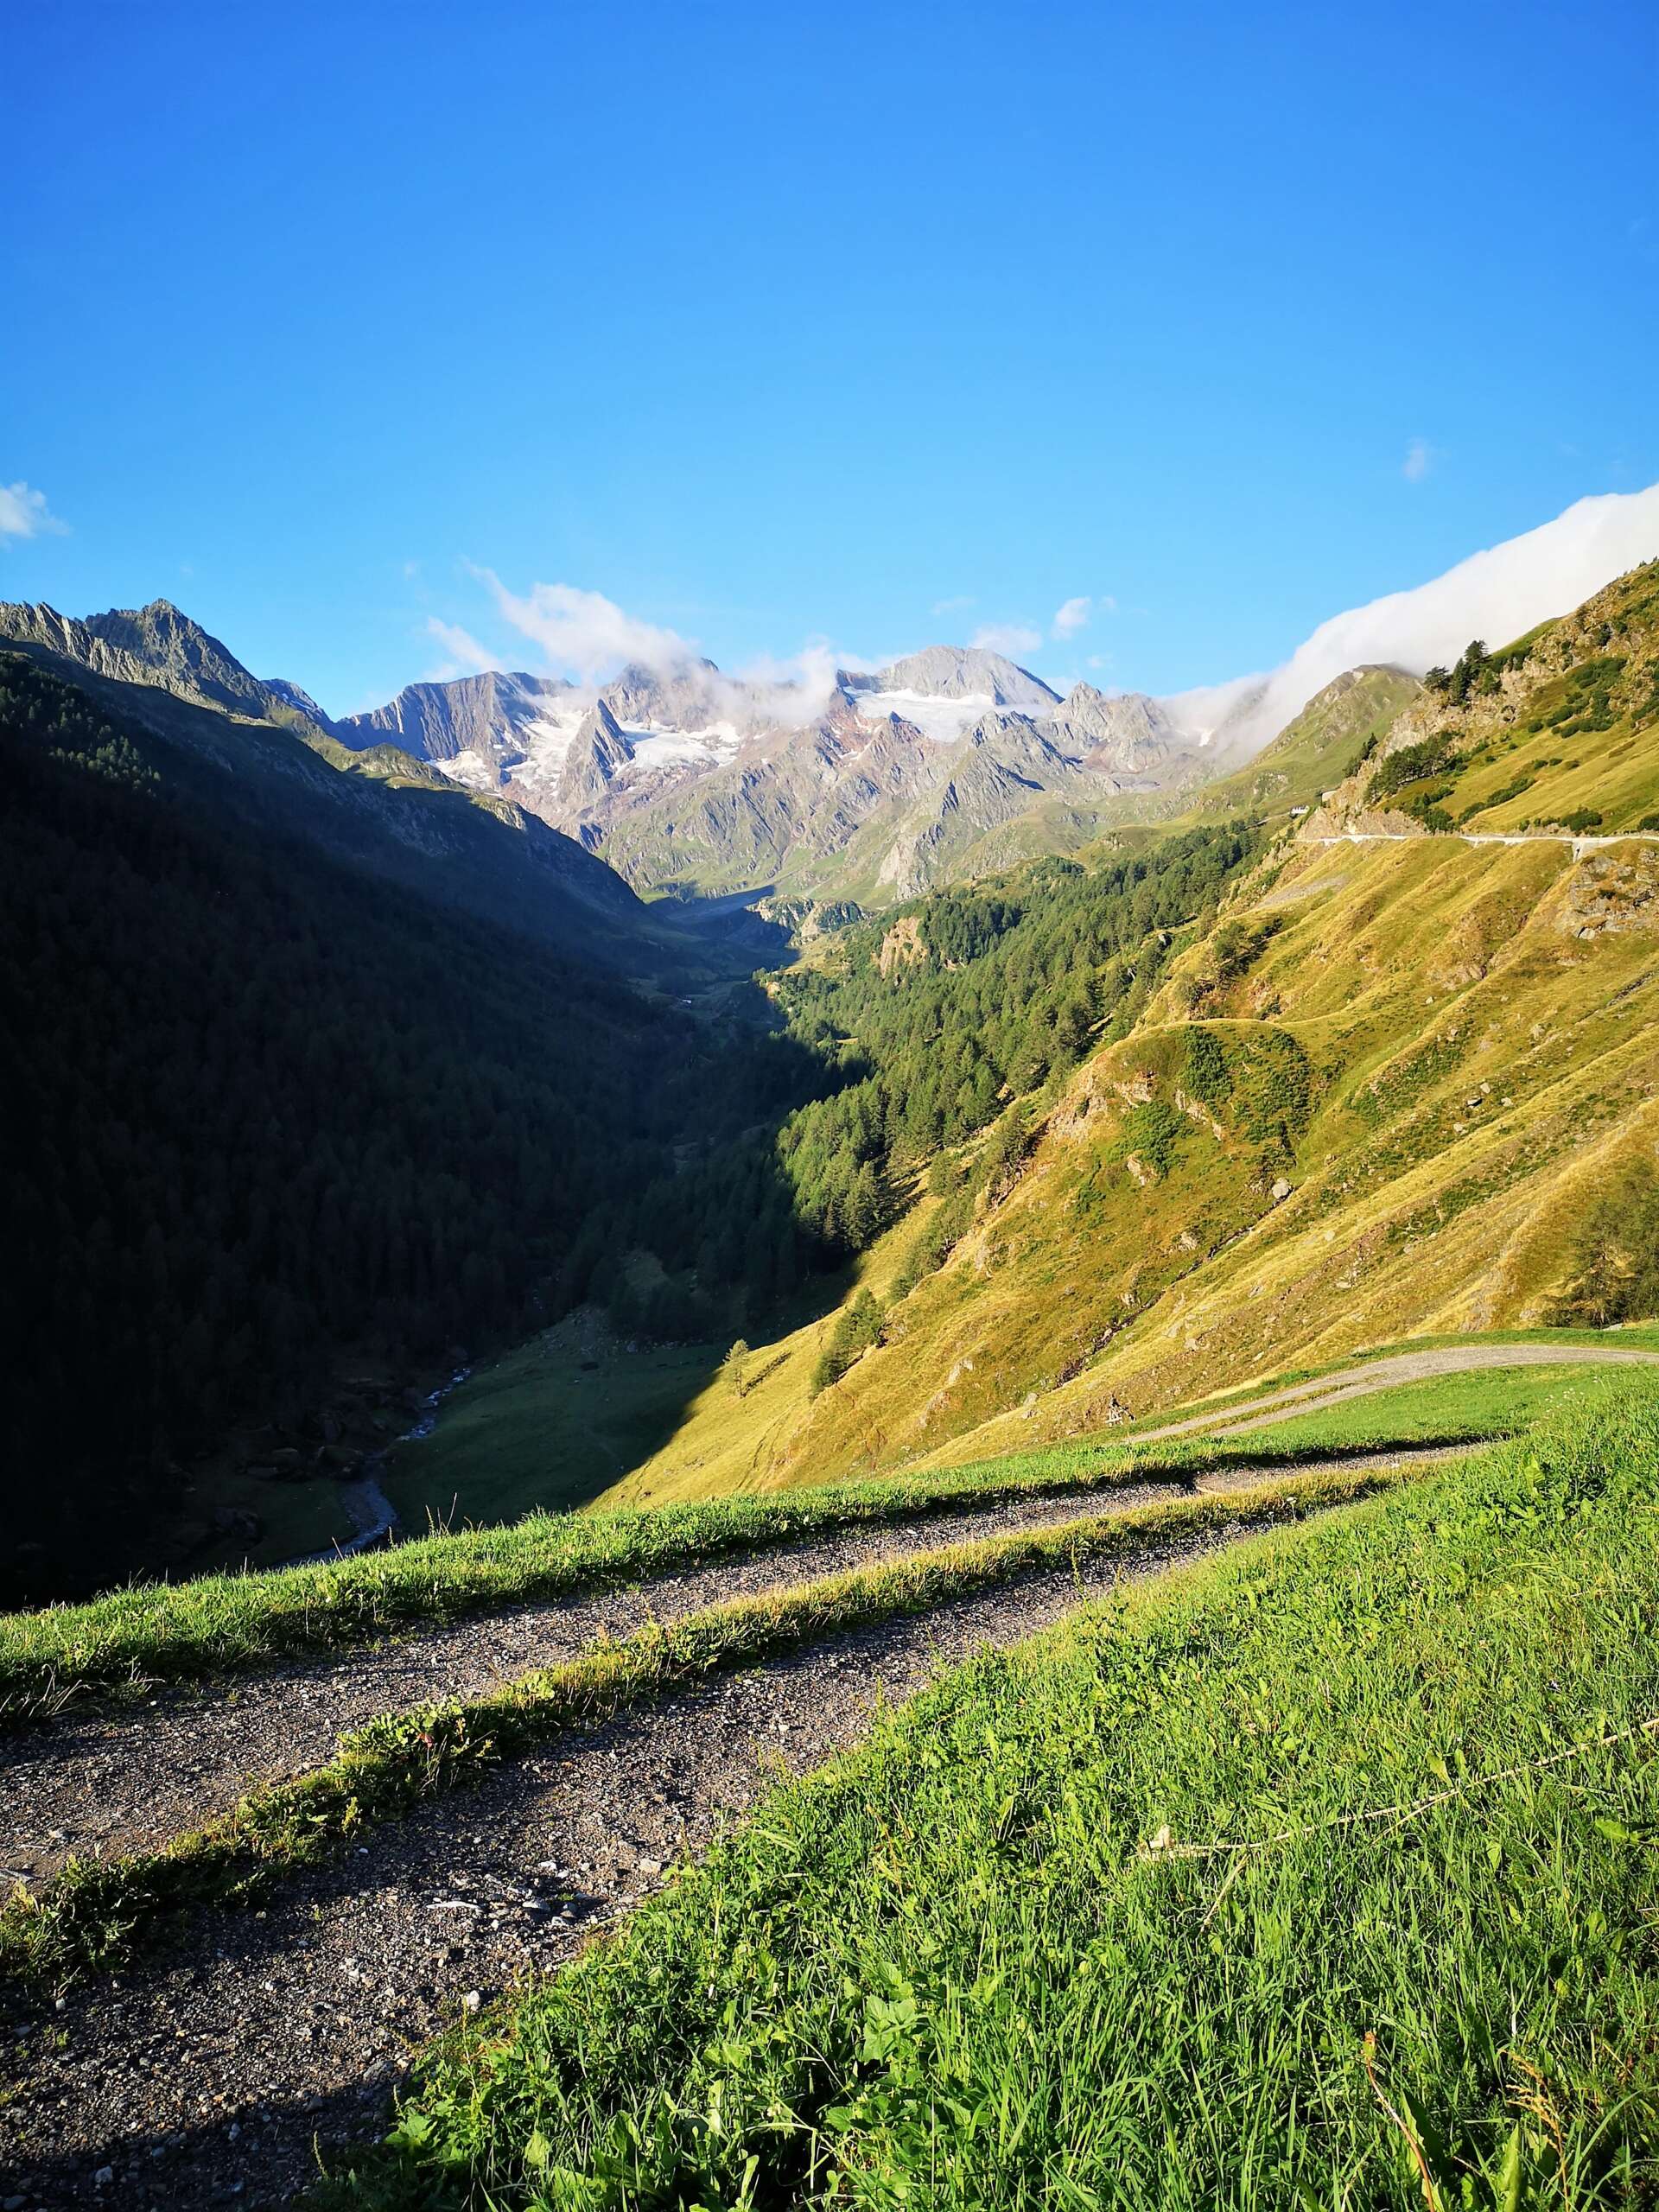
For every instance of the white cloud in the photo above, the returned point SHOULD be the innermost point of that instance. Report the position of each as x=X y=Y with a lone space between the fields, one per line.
x=585 y=635
x=1419 y=458
x=1495 y=595
x=24 y=513
x=1075 y=614
x=463 y=655
x=1009 y=638
x=789 y=692
x=953 y=606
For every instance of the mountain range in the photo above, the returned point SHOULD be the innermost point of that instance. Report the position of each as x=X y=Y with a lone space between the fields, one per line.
x=860 y=790
x=355 y=968
x=682 y=779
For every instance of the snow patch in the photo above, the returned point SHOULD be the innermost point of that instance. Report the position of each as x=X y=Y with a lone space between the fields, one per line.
x=471 y=770
x=655 y=748
x=942 y=720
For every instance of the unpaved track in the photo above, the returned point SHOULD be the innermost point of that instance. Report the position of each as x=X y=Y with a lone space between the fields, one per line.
x=204 y=2078
x=1328 y=1390
x=129 y=1780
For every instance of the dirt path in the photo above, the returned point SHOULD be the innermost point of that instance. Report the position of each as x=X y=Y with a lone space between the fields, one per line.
x=205 y=2077
x=1382 y=1374
x=129 y=1780
x=1580 y=843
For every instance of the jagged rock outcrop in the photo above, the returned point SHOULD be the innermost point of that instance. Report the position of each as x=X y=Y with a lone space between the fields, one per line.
x=1127 y=732
x=484 y=715
x=597 y=751
x=159 y=645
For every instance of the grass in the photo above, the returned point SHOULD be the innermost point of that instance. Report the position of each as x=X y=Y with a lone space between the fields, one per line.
x=1322 y=1874
x=1441 y=1408
x=573 y=1413
x=546 y=1428
x=215 y=1626
x=97 y=1912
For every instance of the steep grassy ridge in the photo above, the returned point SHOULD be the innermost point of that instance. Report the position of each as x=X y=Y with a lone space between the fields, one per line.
x=1319 y=749
x=1379 y=1097
x=1552 y=731
x=1428 y=1061
x=1318 y=1874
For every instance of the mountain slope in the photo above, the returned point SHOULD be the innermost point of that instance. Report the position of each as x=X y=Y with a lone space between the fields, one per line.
x=1387 y=1088
x=688 y=779
x=1317 y=751
x=156 y=644
x=283 y=1112
x=1547 y=732
x=240 y=745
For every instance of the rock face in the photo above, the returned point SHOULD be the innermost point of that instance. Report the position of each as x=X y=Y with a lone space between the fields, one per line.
x=964 y=672
x=598 y=750
x=156 y=644
x=685 y=778
x=483 y=715
x=1128 y=732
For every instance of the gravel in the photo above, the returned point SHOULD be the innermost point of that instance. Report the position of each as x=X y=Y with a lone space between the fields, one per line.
x=212 y=2074
x=128 y=1780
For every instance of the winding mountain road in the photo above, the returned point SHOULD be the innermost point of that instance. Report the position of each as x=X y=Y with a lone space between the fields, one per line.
x=1580 y=844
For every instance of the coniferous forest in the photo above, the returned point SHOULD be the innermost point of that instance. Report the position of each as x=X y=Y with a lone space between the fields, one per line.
x=265 y=1115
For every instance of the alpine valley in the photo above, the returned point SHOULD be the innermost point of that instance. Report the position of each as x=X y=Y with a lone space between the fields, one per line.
x=973 y=1051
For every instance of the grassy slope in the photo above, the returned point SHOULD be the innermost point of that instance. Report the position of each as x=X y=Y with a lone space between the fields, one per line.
x=573 y=1413
x=214 y=1625
x=971 y=1964
x=1405 y=978
x=1568 y=725
x=1319 y=749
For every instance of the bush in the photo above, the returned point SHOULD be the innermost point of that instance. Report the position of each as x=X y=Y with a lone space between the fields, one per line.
x=859 y=1327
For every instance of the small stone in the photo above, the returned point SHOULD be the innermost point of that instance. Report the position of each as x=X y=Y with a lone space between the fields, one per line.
x=1280 y=1189
x=471 y=2001
x=104 y=2176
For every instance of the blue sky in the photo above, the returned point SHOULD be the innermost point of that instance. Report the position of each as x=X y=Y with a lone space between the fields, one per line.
x=864 y=325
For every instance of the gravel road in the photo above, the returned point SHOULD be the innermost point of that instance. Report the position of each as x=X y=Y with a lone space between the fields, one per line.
x=1327 y=1390
x=208 y=2075
x=129 y=1779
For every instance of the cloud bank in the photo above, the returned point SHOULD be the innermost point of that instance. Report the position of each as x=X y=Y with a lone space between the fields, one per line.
x=584 y=636
x=1495 y=595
